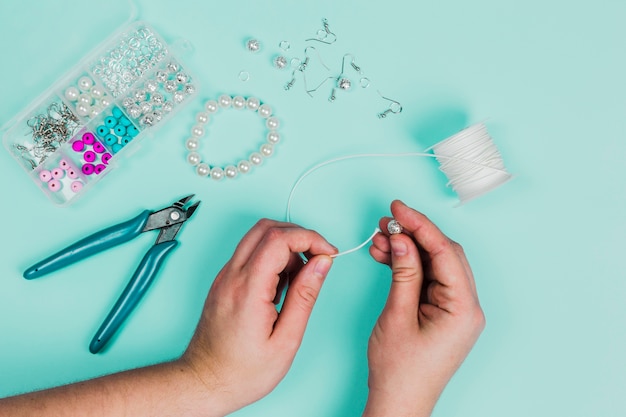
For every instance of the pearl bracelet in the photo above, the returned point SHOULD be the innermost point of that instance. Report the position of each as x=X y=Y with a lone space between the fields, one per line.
x=192 y=144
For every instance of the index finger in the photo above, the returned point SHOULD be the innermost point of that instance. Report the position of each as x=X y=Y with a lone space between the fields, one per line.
x=447 y=267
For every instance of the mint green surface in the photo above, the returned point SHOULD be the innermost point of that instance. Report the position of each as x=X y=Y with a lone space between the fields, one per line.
x=546 y=248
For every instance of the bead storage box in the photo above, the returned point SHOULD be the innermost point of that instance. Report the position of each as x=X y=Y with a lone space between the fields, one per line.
x=75 y=133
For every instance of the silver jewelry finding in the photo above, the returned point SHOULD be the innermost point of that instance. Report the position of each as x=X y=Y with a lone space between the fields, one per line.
x=393 y=227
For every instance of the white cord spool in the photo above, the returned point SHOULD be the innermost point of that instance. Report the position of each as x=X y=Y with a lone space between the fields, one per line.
x=471 y=162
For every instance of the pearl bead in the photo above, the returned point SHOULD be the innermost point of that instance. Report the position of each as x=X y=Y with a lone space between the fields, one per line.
x=256 y=158
x=85 y=99
x=72 y=93
x=272 y=123
x=265 y=111
x=230 y=171
x=211 y=106
x=243 y=167
x=105 y=101
x=82 y=110
x=193 y=158
x=192 y=144
x=225 y=101
x=85 y=83
x=273 y=137
x=197 y=131
x=217 y=173
x=97 y=92
x=95 y=110
x=253 y=103
x=202 y=117
x=267 y=149
x=203 y=170
x=239 y=102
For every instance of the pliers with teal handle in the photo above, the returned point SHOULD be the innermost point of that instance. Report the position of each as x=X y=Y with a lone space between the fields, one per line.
x=168 y=220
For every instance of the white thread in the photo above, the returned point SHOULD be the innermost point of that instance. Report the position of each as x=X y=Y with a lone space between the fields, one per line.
x=463 y=158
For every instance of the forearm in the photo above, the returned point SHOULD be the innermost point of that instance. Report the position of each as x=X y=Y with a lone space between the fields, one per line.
x=161 y=390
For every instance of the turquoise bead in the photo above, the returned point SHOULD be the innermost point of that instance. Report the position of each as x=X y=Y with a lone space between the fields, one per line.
x=132 y=131
x=117 y=147
x=124 y=121
x=117 y=113
x=110 y=139
x=120 y=130
x=102 y=130
x=110 y=122
x=125 y=140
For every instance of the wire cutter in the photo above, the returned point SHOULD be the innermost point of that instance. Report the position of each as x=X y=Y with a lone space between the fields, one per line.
x=168 y=221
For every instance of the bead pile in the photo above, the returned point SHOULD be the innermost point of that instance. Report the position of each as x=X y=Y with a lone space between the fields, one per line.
x=87 y=98
x=90 y=150
x=54 y=177
x=159 y=95
x=211 y=107
x=135 y=54
x=117 y=130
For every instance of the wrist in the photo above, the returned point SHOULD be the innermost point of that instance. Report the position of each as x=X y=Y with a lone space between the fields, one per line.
x=396 y=404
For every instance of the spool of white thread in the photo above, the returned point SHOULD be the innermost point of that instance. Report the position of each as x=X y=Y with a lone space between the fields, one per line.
x=471 y=162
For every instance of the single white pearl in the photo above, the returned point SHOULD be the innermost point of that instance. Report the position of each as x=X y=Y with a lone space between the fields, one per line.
x=72 y=93
x=97 y=92
x=211 y=106
x=193 y=158
x=202 y=117
x=85 y=99
x=253 y=103
x=256 y=158
x=265 y=110
x=203 y=170
x=239 y=102
x=272 y=123
x=267 y=149
x=243 y=167
x=197 y=131
x=225 y=101
x=217 y=173
x=95 y=110
x=82 y=109
x=105 y=101
x=230 y=171
x=273 y=137
x=192 y=144
x=85 y=83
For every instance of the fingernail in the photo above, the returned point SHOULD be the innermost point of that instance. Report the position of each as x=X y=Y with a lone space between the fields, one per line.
x=398 y=247
x=323 y=265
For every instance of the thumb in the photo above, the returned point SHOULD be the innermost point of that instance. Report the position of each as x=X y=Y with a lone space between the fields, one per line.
x=407 y=277
x=300 y=299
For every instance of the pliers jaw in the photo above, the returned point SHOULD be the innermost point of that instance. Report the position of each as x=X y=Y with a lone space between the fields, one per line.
x=170 y=219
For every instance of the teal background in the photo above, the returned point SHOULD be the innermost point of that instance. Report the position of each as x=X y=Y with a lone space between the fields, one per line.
x=546 y=248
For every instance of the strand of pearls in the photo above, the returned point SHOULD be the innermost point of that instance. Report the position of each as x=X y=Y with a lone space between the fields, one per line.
x=244 y=166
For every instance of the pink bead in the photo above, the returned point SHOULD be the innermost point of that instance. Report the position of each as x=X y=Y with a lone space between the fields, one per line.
x=76 y=186
x=98 y=147
x=89 y=138
x=64 y=164
x=89 y=156
x=45 y=175
x=105 y=158
x=99 y=168
x=54 y=185
x=71 y=173
x=78 y=146
x=57 y=173
x=88 y=169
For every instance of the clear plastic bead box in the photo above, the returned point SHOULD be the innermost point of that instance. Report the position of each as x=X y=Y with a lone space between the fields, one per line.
x=76 y=132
